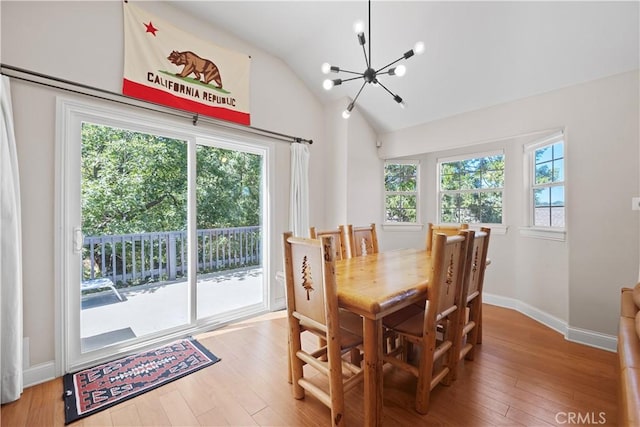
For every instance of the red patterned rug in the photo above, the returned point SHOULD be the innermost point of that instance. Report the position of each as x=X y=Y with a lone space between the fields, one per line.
x=94 y=389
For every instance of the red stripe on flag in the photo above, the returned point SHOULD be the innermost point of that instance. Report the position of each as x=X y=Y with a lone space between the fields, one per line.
x=158 y=96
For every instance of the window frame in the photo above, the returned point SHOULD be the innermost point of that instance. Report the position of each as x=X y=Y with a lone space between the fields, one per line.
x=462 y=157
x=416 y=193
x=529 y=150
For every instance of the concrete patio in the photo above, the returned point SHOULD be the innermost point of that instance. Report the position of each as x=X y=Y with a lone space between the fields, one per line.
x=150 y=308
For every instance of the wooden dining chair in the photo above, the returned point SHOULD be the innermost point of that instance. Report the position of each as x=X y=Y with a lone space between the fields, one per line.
x=470 y=321
x=448 y=229
x=312 y=305
x=363 y=240
x=348 y=320
x=434 y=328
x=340 y=236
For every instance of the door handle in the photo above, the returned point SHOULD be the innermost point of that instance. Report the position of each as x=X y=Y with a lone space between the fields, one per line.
x=78 y=239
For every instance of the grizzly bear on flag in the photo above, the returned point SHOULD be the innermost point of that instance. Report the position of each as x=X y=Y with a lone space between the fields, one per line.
x=196 y=65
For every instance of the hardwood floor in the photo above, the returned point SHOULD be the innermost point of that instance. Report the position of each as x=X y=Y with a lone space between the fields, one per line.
x=524 y=374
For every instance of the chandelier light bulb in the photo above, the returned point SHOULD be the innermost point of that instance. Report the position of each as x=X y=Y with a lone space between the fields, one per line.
x=399 y=71
x=347 y=113
x=418 y=48
x=326 y=68
x=358 y=27
x=327 y=84
x=400 y=101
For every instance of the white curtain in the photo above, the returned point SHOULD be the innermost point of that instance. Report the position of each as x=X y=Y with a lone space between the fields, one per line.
x=10 y=256
x=299 y=216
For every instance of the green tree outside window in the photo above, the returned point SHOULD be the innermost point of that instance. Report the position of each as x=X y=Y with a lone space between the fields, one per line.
x=471 y=190
x=401 y=191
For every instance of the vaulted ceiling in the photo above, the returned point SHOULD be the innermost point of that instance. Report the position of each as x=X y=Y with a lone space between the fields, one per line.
x=478 y=54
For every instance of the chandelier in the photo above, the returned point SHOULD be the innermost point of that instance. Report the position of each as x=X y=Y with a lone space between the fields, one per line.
x=370 y=74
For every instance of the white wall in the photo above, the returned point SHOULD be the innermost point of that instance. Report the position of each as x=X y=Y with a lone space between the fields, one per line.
x=83 y=42
x=335 y=168
x=602 y=248
x=353 y=170
x=364 y=176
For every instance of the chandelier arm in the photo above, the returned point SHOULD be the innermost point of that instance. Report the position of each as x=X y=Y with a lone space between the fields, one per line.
x=351 y=72
x=358 y=94
x=352 y=78
x=385 y=88
x=390 y=64
x=364 y=50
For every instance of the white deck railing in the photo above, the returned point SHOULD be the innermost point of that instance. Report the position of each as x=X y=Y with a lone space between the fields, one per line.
x=150 y=257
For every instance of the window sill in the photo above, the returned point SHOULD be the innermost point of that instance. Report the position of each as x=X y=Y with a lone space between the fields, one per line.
x=544 y=233
x=389 y=226
x=495 y=228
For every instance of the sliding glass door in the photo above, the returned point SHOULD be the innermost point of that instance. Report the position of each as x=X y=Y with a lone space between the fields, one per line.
x=134 y=279
x=162 y=232
x=229 y=194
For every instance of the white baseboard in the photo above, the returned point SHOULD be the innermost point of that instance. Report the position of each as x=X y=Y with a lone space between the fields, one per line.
x=37 y=374
x=581 y=336
x=594 y=339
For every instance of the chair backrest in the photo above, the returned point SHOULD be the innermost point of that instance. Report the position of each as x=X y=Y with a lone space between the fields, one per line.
x=363 y=240
x=470 y=324
x=312 y=305
x=310 y=281
x=448 y=229
x=477 y=263
x=339 y=236
x=450 y=254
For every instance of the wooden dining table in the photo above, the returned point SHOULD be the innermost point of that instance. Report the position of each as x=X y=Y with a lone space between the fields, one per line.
x=374 y=286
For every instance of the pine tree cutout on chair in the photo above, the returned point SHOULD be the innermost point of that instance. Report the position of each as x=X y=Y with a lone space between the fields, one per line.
x=363 y=246
x=307 y=280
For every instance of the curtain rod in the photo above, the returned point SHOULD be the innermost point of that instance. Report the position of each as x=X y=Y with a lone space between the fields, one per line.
x=82 y=89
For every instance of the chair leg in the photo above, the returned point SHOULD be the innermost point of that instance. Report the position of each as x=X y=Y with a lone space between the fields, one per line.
x=471 y=353
x=295 y=344
x=474 y=335
x=456 y=351
x=425 y=373
x=479 y=326
x=407 y=350
x=452 y=357
x=335 y=386
x=356 y=356
x=322 y=343
x=289 y=367
x=337 y=412
x=391 y=342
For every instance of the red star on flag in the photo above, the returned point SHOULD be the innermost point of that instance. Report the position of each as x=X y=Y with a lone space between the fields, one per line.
x=150 y=28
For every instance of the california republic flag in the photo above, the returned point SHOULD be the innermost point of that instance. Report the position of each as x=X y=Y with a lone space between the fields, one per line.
x=168 y=66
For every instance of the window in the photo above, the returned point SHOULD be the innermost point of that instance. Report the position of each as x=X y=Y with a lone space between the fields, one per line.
x=471 y=189
x=401 y=191
x=547 y=184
